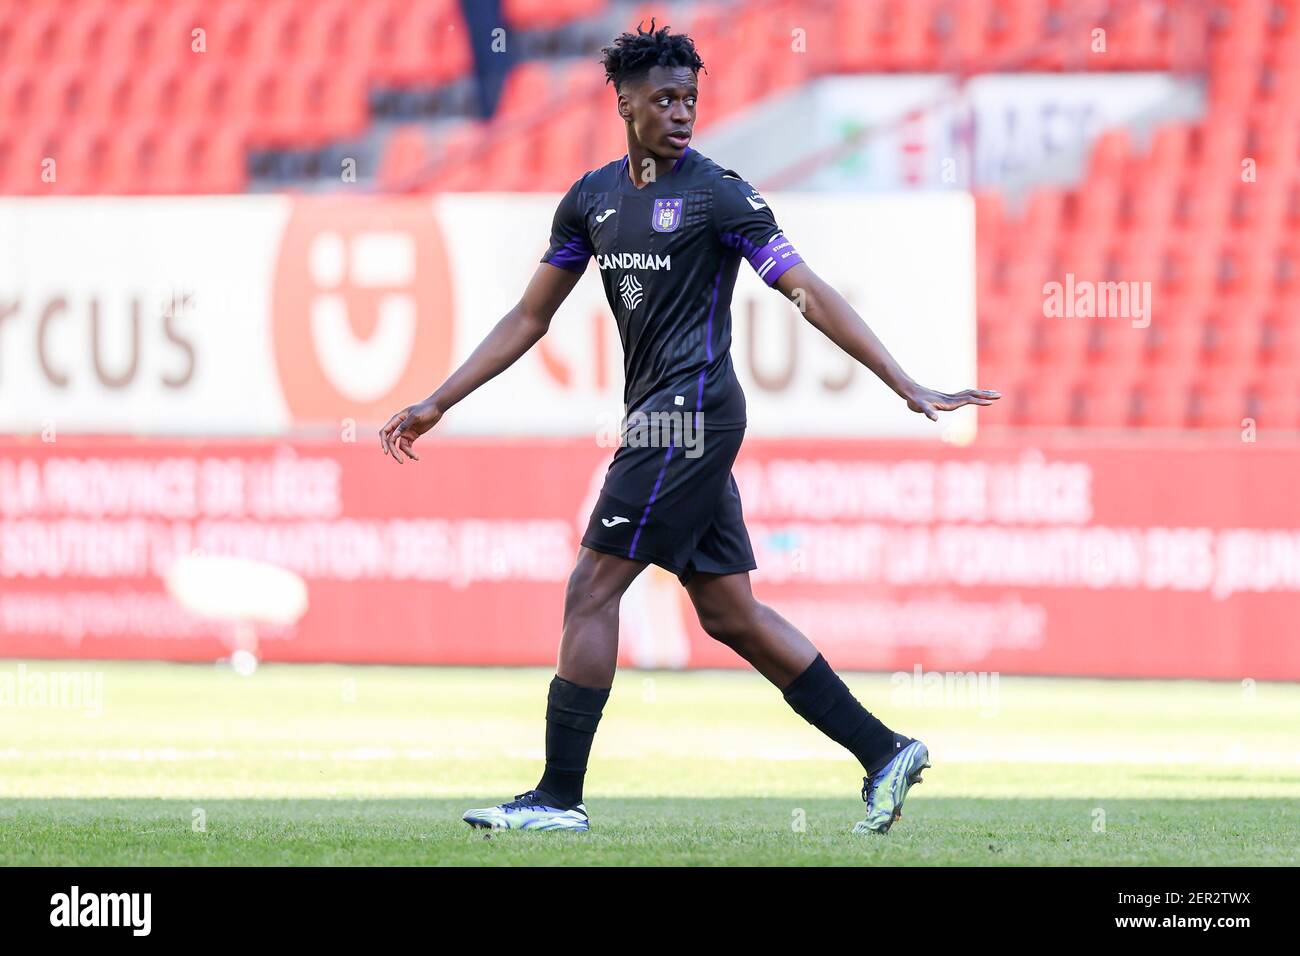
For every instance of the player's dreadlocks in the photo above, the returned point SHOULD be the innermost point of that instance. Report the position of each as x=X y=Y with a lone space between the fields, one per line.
x=632 y=54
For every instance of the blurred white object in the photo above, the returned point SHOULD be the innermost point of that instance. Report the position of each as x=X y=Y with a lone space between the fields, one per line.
x=244 y=592
x=244 y=663
x=237 y=589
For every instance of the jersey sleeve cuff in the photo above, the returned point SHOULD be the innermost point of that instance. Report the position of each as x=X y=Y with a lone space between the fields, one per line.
x=573 y=255
x=576 y=264
x=773 y=259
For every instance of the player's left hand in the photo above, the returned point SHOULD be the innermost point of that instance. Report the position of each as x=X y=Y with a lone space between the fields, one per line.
x=929 y=402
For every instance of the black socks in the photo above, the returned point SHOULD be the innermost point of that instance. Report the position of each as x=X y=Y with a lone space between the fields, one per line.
x=817 y=695
x=821 y=698
x=572 y=713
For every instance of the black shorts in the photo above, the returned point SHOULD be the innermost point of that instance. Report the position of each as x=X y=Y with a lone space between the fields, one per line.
x=681 y=513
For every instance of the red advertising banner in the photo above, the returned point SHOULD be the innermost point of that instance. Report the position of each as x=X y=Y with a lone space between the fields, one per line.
x=1181 y=560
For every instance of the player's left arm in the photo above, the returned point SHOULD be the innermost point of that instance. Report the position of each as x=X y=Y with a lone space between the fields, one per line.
x=828 y=312
x=745 y=222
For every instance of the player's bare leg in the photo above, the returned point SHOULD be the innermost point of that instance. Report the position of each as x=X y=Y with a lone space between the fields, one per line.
x=729 y=613
x=589 y=645
x=583 y=676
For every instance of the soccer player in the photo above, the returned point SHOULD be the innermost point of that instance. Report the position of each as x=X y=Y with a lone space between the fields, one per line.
x=668 y=227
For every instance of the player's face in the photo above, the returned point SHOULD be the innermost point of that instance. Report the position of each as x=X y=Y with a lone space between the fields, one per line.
x=662 y=109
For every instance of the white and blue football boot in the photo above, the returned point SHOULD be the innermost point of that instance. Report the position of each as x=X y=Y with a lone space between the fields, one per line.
x=885 y=790
x=528 y=811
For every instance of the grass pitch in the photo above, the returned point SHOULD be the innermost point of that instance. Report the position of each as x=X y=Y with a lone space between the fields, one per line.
x=317 y=764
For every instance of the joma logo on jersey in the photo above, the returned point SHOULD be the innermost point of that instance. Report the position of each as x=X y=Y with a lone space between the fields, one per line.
x=633 y=260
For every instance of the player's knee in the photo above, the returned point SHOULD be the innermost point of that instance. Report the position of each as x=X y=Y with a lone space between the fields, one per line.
x=731 y=626
x=588 y=592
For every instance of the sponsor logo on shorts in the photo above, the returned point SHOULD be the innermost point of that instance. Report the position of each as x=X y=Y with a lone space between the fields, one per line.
x=616 y=520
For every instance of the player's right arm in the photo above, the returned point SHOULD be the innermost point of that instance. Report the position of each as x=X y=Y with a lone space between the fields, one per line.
x=517 y=332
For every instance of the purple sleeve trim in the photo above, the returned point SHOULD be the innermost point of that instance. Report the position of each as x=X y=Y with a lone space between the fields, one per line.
x=573 y=255
x=771 y=261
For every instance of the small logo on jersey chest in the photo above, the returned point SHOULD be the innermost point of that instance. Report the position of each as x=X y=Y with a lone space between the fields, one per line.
x=630 y=289
x=667 y=215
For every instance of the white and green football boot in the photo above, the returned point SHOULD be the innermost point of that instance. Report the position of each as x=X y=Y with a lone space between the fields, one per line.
x=885 y=790
x=528 y=811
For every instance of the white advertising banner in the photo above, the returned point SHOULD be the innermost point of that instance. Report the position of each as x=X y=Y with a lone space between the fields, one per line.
x=931 y=131
x=277 y=315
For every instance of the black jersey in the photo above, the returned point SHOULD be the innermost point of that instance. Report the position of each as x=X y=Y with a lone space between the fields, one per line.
x=668 y=254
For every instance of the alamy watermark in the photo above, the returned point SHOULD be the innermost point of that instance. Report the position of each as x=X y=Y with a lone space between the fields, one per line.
x=32 y=688
x=977 y=690
x=1084 y=299
x=667 y=429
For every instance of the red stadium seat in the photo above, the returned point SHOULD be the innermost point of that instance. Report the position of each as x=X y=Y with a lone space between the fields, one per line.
x=275 y=35
x=1191 y=268
x=1276 y=401
x=1132 y=41
x=1121 y=349
x=1280 y=341
x=968 y=33
x=1177 y=348
x=905 y=40
x=407 y=152
x=1108 y=403
x=856 y=24
x=1217 y=152
x=1221 y=400
x=37 y=36
x=1169 y=148
x=1164 y=401
x=324 y=35
x=1110 y=155
x=538 y=14
x=21 y=162
x=528 y=84
x=563 y=144
x=1247 y=268
x=156 y=93
x=459 y=151
x=330 y=105
x=195 y=159
x=1233 y=338
x=1045 y=400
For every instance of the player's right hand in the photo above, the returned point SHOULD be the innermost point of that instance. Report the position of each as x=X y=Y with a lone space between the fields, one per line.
x=406 y=426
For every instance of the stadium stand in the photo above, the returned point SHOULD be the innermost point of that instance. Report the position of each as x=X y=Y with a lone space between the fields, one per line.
x=130 y=100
